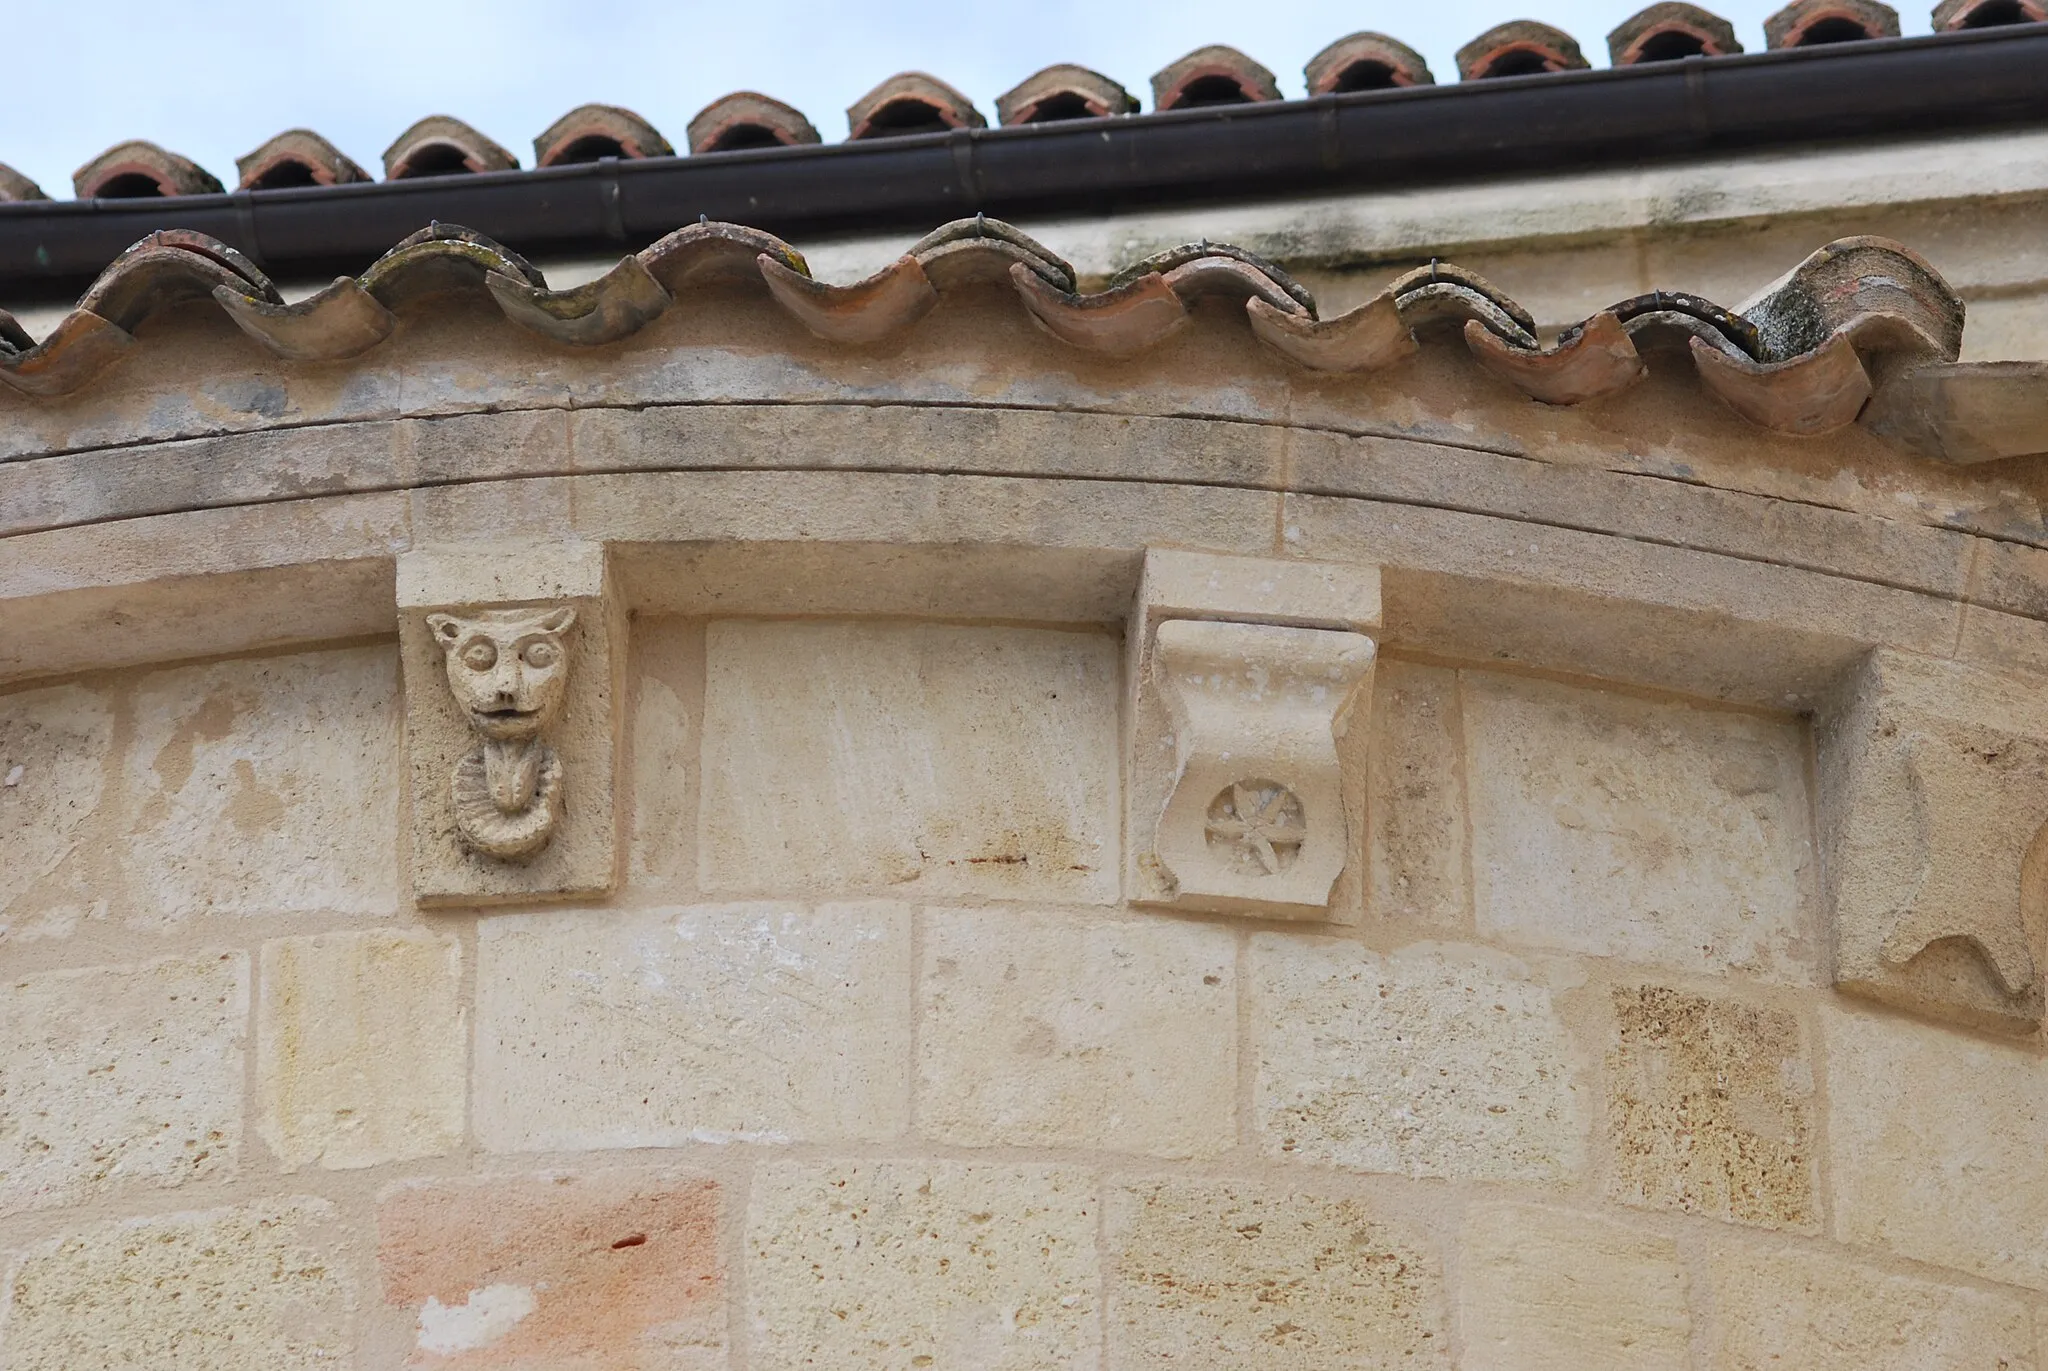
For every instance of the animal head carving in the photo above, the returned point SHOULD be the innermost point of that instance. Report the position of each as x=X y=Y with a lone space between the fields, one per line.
x=509 y=668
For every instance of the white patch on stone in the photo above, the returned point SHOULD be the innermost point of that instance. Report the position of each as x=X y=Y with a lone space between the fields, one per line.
x=486 y=1316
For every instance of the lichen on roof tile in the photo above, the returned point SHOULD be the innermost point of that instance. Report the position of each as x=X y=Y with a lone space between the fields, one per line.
x=1063 y=91
x=748 y=119
x=910 y=102
x=1811 y=23
x=296 y=157
x=1365 y=61
x=140 y=170
x=1215 y=75
x=1520 y=47
x=590 y=132
x=15 y=186
x=440 y=145
x=1668 y=31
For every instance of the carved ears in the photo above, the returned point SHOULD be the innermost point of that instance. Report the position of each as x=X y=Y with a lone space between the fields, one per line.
x=446 y=628
x=555 y=621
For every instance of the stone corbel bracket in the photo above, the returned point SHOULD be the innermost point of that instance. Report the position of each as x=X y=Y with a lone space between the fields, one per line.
x=1934 y=793
x=1245 y=675
x=512 y=657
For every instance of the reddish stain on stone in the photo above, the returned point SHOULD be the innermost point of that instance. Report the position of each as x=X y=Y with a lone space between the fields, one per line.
x=611 y=1270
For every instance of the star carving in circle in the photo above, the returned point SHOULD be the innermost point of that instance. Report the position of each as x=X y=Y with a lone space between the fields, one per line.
x=1260 y=822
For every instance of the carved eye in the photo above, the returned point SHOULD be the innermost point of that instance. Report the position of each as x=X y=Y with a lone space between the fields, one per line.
x=480 y=655
x=541 y=654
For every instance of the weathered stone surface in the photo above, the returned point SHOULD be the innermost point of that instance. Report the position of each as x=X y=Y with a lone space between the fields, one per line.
x=1778 y=1310
x=1935 y=1143
x=557 y=1272
x=263 y=1288
x=1223 y=1276
x=1431 y=1061
x=1628 y=828
x=361 y=1048
x=765 y=1022
x=118 y=1076
x=265 y=786
x=668 y=699
x=1548 y=1290
x=1063 y=1031
x=1934 y=794
x=1710 y=1109
x=910 y=757
x=53 y=771
x=1416 y=846
x=861 y=1266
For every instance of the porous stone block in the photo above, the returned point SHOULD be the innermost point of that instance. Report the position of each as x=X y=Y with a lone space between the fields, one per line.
x=1431 y=1061
x=668 y=701
x=1547 y=1290
x=1935 y=1143
x=54 y=755
x=862 y=1266
x=361 y=1048
x=1934 y=793
x=1782 y=1309
x=1224 y=1276
x=919 y=759
x=120 y=1076
x=261 y=1288
x=513 y=655
x=1656 y=832
x=760 y=1022
x=265 y=786
x=1415 y=846
x=1710 y=1109
x=1071 y=1031
x=557 y=1271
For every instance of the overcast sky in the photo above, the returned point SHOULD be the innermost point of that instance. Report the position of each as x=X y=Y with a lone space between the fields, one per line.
x=213 y=80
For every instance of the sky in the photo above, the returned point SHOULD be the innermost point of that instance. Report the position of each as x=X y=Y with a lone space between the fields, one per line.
x=213 y=81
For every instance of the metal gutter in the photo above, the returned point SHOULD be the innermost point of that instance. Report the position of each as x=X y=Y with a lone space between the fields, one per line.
x=1901 y=87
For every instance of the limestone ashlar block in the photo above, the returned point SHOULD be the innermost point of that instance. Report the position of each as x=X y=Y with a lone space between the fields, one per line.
x=556 y=1271
x=361 y=1048
x=1710 y=1109
x=1934 y=793
x=912 y=759
x=55 y=746
x=1234 y=664
x=1074 y=1031
x=262 y=1288
x=1548 y=1290
x=1656 y=832
x=119 y=1077
x=755 y=1022
x=1435 y=1060
x=1229 y=1276
x=1818 y=1312
x=875 y=1266
x=265 y=786
x=1935 y=1142
x=514 y=655
x=1416 y=846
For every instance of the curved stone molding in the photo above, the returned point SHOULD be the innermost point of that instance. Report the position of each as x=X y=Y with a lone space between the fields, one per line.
x=1934 y=793
x=512 y=720
x=1244 y=674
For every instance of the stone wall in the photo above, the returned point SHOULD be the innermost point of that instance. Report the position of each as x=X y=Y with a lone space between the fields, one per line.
x=865 y=1065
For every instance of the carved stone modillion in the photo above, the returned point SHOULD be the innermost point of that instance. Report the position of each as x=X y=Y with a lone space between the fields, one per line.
x=509 y=671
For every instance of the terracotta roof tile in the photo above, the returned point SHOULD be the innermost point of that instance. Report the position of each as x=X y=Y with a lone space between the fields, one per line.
x=1520 y=47
x=15 y=186
x=1808 y=23
x=910 y=102
x=1365 y=61
x=1952 y=15
x=1063 y=92
x=590 y=132
x=1215 y=75
x=442 y=146
x=137 y=170
x=748 y=119
x=1670 y=30
x=296 y=157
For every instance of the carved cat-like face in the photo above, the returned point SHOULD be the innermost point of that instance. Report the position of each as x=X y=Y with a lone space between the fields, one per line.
x=507 y=667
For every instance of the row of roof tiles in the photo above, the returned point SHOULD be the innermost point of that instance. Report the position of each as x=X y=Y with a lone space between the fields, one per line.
x=913 y=102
